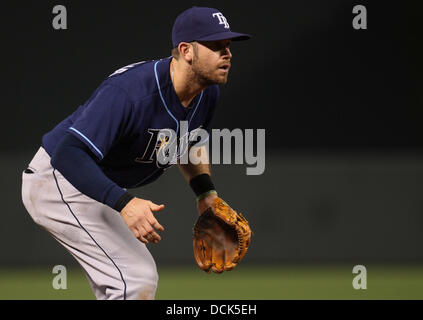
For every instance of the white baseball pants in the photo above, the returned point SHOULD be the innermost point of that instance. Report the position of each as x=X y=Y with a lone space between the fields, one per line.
x=117 y=265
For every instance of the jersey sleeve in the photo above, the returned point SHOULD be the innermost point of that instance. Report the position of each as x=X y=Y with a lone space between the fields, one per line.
x=77 y=164
x=105 y=119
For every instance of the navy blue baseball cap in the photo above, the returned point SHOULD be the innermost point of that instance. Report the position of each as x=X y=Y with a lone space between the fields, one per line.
x=203 y=24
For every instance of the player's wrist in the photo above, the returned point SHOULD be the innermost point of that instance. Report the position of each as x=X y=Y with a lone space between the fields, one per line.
x=207 y=194
x=123 y=201
x=203 y=186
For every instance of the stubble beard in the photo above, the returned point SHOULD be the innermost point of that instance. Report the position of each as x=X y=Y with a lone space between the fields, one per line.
x=204 y=77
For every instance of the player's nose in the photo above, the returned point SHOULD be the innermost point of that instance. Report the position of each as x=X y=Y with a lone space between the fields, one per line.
x=228 y=53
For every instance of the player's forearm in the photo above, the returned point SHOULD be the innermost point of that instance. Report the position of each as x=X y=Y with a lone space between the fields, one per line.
x=198 y=176
x=190 y=170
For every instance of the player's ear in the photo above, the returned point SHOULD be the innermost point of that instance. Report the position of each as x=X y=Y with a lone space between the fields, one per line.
x=187 y=51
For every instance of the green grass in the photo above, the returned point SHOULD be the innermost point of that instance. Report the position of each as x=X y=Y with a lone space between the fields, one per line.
x=245 y=282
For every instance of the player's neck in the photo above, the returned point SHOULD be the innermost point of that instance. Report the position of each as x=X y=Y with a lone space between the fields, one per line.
x=185 y=86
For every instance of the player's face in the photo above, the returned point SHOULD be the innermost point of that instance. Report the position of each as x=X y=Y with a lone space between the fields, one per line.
x=212 y=61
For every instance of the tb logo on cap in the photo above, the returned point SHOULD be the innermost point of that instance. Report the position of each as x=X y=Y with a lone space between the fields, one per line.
x=222 y=19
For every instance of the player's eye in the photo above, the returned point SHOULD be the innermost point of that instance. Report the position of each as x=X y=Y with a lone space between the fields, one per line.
x=216 y=46
x=220 y=46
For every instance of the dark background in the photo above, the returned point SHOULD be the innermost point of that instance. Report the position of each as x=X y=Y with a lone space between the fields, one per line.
x=342 y=109
x=307 y=76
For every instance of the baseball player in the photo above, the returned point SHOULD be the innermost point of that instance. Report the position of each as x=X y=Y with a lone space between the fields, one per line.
x=76 y=186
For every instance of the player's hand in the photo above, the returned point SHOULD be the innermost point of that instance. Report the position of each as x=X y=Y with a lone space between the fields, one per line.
x=138 y=215
x=205 y=203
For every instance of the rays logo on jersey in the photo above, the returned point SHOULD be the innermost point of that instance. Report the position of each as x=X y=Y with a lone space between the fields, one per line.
x=165 y=148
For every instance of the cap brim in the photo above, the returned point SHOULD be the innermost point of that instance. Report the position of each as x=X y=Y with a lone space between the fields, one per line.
x=234 y=36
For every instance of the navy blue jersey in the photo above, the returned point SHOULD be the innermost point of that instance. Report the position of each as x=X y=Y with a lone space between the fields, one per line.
x=120 y=121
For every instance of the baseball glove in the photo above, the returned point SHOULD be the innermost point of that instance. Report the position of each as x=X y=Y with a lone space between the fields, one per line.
x=221 y=238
